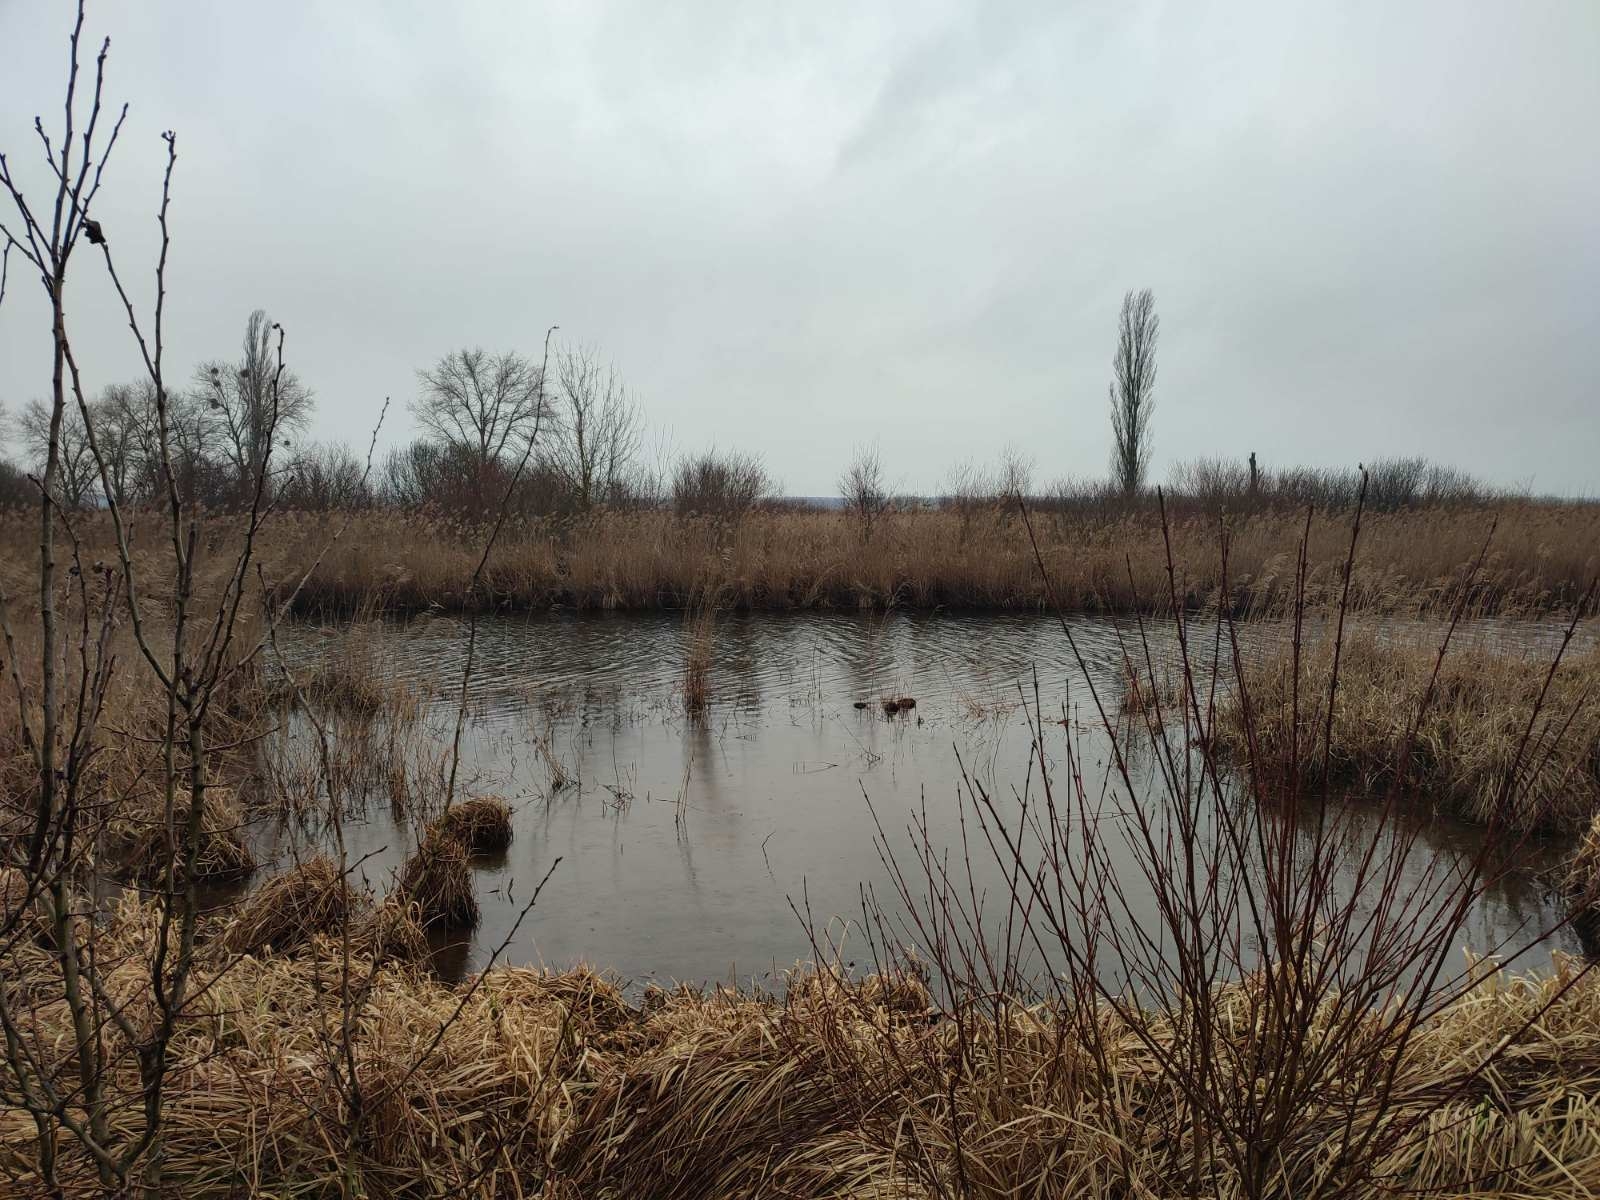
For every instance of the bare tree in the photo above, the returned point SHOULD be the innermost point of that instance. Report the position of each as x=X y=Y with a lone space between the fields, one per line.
x=485 y=403
x=1132 y=389
x=863 y=489
x=596 y=427
x=250 y=405
x=73 y=477
x=125 y=423
x=1013 y=478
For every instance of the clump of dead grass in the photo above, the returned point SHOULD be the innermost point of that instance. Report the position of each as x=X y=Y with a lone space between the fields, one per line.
x=391 y=932
x=437 y=879
x=1581 y=877
x=482 y=824
x=290 y=909
x=142 y=853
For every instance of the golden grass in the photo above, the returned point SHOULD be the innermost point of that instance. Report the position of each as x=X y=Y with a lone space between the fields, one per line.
x=482 y=824
x=554 y=1085
x=1467 y=742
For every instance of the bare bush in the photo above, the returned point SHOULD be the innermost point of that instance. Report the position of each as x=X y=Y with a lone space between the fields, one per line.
x=719 y=483
x=1289 y=957
x=863 y=489
x=324 y=478
x=1215 y=482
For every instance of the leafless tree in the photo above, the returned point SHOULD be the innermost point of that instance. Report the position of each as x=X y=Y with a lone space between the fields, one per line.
x=249 y=405
x=1132 y=389
x=596 y=428
x=1014 y=476
x=125 y=424
x=485 y=403
x=863 y=489
x=73 y=478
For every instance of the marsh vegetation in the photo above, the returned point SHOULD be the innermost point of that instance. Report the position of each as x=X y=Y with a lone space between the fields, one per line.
x=1242 y=846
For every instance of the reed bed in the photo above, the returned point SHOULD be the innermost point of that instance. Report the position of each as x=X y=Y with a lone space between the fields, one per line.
x=1542 y=557
x=1467 y=756
x=553 y=1084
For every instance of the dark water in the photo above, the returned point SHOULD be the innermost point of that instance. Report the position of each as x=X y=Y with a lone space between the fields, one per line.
x=686 y=846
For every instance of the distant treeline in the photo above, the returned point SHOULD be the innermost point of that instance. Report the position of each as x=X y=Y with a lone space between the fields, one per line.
x=565 y=437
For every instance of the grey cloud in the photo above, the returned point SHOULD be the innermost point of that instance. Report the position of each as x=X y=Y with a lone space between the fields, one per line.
x=1369 y=227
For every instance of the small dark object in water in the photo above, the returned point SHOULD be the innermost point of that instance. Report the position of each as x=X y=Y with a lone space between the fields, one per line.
x=907 y=702
x=860 y=704
x=891 y=707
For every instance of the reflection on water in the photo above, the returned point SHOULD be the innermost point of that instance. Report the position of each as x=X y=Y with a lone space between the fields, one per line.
x=686 y=846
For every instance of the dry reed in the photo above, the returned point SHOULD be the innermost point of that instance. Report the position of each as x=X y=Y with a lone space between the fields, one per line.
x=1468 y=741
x=1543 y=557
x=697 y=656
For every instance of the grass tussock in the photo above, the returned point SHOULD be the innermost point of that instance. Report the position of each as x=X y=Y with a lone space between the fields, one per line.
x=480 y=823
x=437 y=880
x=1468 y=754
x=553 y=1084
x=140 y=846
x=1582 y=875
x=391 y=932
x=290 y=909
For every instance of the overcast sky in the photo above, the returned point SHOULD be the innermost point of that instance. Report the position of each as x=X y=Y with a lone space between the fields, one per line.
x=1371 y=228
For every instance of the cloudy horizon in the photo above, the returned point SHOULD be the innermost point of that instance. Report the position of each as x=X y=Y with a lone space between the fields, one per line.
x=1369 y=230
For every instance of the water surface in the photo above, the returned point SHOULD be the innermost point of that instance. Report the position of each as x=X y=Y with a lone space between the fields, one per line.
x=687 y=846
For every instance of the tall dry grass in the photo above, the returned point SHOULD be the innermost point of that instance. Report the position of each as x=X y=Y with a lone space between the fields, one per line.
x=556 y=1085
x=1541 y=558
x=1463 y=753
